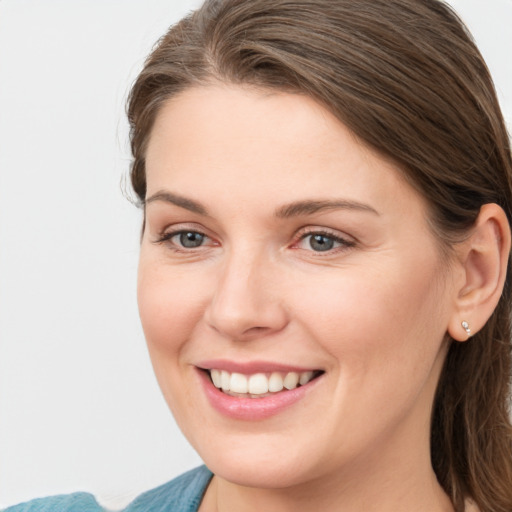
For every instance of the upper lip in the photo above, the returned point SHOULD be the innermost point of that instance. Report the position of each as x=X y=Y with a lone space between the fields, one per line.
x=251 y=367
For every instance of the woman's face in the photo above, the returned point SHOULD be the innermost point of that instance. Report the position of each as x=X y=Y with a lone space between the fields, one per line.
x=277 y=247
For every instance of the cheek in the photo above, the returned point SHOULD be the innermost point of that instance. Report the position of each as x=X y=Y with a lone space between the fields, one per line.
x=378 y=320
x=171 y=304
x=383 y=332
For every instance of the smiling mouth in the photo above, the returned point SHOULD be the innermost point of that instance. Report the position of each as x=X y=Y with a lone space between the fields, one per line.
x=259 y=385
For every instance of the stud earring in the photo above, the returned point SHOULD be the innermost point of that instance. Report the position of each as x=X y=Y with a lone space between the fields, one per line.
x=465 y=326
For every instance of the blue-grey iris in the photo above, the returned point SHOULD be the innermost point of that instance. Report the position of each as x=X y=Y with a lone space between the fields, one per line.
x=190 y=239
x=321 y=243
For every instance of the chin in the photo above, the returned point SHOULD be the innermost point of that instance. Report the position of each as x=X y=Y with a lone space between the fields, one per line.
x=269 y=474
x=264 y=461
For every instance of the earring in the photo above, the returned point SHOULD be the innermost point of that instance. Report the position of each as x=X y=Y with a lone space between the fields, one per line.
x=465 y=326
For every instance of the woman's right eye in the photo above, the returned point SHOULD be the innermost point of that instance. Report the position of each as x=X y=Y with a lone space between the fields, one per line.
x=189 y=239
x=184 y=239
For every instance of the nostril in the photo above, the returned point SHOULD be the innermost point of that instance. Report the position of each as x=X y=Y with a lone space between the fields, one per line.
x=241 y=306
x=255 y=332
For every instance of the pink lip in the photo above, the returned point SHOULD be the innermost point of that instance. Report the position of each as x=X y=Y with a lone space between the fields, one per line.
x=250 y=368
x=252 y=409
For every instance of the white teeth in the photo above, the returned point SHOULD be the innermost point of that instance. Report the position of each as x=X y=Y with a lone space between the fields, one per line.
x=217 y=382
x=305 y=377
x=238 y=383
x=291 y=380
x=275 y=383
x=259 y=383
x=224 y=380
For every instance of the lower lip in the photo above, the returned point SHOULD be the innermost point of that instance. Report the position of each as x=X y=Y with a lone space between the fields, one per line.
x=252 y=409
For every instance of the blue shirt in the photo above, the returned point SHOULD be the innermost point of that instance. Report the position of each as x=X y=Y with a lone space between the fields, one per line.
x=183 y=494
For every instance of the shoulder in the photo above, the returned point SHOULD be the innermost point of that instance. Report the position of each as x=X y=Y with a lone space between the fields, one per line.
x=183 y=494
x=66 y=503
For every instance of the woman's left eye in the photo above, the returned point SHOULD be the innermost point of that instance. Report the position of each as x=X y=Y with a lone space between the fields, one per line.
x=322 y=242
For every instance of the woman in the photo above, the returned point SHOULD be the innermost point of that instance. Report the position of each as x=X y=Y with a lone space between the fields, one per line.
x=323 y=270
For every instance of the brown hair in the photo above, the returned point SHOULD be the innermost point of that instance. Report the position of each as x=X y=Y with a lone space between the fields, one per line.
x=406 y=78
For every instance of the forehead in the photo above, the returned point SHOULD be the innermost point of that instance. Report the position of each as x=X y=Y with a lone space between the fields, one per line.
x=249 y=142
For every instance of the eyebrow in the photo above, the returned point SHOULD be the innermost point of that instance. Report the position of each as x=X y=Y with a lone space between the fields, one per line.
x=177 y=200
x=295 y=209
x=309 y=207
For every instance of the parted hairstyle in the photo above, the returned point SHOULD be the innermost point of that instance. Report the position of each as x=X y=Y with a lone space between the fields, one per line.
x=406 y=77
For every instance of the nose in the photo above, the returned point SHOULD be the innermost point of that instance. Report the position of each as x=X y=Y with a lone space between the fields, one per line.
x=245 y=303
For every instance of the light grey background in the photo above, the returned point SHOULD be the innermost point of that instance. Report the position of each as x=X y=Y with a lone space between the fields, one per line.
x=79 y=406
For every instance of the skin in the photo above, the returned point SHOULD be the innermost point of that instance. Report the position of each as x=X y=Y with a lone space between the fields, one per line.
x=372 y=313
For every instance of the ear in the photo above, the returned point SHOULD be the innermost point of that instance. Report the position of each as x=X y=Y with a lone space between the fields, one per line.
x=484 y=260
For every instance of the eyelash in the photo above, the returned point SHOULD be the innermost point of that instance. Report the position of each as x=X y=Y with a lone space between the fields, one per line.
x=167 y=237
x=344 y=244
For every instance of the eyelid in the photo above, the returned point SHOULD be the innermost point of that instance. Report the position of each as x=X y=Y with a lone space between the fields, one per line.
x=346 y=241
x=170 y=235
x=165 y=235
